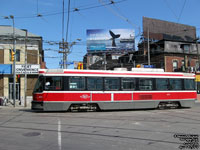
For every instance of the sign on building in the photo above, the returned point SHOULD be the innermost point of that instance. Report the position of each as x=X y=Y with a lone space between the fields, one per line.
x=30 y=69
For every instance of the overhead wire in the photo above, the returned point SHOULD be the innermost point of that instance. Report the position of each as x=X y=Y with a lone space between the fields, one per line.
x=60 y=12
x=63 y=18
x=181 y=11
x=167 y=4
x=118 y=14
x=68 y=17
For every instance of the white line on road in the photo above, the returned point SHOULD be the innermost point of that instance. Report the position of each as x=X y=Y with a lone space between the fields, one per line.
x=59 y=135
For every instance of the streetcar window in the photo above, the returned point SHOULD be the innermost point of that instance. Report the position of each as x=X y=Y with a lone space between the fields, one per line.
x=76 y=83
x=112 y=83
x=145 y=84
x=53 y=83
x=95 y=83
x=128 y=83
x=39 y=84
x=175 y=84
x=162 y=84
x=189 y=84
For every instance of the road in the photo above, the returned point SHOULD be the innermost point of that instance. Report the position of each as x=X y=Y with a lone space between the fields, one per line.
x=23 y=129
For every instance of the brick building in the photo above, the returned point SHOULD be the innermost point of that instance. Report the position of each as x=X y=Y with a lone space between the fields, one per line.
x=172 y=47
x=26 y=43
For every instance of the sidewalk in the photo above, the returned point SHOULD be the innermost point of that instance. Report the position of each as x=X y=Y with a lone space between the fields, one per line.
x=17 y=106
x=198 y=97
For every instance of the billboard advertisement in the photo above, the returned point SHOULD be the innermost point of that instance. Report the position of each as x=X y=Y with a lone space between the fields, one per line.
x=110 y=40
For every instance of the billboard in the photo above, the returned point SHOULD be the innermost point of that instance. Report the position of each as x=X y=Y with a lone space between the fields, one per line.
x=99 y=40
x=159 y=30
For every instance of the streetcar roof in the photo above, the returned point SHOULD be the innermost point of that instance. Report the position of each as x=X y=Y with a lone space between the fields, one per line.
x=112 y=73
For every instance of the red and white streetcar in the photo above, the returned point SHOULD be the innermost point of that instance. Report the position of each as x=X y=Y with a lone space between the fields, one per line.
x=63 y=90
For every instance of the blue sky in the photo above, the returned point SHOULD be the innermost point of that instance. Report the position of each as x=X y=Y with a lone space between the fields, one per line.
x=92 y=15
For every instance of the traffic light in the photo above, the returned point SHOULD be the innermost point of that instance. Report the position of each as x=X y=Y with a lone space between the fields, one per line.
x=12 y=55
x=138 y=66
x=17 y=78
x=80 y=66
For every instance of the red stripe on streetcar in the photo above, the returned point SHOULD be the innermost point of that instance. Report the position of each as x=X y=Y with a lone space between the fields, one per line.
x=66 y=97
x=101 y=97
x=165 y=96
x=122 y=96
x=107 y=73
x=41 y=72
x=86 y=97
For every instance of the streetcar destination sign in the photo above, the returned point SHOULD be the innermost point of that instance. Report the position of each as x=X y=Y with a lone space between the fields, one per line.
x=30 y=69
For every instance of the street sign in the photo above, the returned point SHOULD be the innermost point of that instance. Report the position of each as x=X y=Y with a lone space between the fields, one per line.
x=30 y=69
x=67 y=63
x=148 y=66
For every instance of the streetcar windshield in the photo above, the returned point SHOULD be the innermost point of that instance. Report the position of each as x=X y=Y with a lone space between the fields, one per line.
x=39 y=85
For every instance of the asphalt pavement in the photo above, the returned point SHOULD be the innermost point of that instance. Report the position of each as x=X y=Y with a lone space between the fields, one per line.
x=170 y=129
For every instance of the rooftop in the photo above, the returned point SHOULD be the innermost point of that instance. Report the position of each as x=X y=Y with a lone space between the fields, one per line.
x=8 y=31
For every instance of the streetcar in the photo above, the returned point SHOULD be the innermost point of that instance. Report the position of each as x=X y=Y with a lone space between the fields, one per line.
x=66 y=90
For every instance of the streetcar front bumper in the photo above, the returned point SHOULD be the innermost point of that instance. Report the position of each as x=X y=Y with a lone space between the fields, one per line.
x=36 y=105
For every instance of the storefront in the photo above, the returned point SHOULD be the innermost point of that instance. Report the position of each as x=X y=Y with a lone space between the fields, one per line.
x=6 y=82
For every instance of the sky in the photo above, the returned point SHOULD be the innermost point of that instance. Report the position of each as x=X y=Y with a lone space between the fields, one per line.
x=45 y=18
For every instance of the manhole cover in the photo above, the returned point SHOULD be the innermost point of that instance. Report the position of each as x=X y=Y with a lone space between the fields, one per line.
x=29 y=134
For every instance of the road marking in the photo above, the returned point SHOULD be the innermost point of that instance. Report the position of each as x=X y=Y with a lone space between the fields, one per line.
x=59 y=135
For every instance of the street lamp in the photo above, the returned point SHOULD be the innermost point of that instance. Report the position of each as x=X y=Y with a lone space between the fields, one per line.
x=14 y=62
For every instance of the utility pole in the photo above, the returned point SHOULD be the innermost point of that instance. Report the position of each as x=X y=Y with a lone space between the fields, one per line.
x=25 y=67
x=14 y=62
x=65 y=50
x=64 y=45
x=148 y=47
x=198 y=52
x=105 y=61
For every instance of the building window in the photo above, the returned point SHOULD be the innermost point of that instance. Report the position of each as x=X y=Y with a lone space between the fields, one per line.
x=175 y=65
x=186 y=48
x=17 y=55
